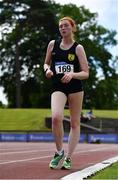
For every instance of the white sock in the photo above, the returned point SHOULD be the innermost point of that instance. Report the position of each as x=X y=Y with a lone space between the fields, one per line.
x=60 y=152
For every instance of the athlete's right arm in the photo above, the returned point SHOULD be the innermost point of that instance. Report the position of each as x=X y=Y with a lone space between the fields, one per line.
x=47 y=61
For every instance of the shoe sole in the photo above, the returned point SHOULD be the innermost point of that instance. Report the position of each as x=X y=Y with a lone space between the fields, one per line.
x=63 y=168
x=59 y=166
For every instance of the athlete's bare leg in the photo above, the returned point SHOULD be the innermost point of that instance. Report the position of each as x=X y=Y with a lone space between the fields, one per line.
x=58 y=100
x=75 y=105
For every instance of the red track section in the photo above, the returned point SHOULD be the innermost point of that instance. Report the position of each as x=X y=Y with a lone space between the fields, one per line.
x=30 y=160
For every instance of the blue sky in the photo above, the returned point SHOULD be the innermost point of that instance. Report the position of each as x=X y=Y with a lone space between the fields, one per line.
x=107 y=16
x=107 y=12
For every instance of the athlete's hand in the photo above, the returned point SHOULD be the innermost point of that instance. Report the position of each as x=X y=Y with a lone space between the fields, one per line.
x=49 y=73
x=67 y=77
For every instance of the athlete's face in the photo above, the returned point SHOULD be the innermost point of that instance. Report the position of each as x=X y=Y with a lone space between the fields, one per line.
x=65 y=28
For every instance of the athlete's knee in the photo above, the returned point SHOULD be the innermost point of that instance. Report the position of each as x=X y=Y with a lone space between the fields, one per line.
x=56 y=119
x=74 y=124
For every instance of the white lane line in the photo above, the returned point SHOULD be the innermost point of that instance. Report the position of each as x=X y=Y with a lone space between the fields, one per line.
x=20 y=152
x=91 y=170
x=30 y=159
x=23 y=160
x=45 y=150
x=23 y=149
x=95 y=150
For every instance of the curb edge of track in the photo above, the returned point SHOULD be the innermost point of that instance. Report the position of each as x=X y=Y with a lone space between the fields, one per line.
x=91 y=170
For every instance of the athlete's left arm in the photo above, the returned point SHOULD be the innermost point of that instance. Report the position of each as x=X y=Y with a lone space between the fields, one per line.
x=84 y=68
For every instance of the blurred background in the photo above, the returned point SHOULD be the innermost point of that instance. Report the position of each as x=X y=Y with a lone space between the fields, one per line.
x=26 y=27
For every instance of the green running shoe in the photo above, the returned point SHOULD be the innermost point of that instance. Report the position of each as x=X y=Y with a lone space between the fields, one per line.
x=66 y=164
x=54 y=163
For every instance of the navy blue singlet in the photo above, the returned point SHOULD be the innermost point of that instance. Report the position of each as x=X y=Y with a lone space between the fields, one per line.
x=65 y=61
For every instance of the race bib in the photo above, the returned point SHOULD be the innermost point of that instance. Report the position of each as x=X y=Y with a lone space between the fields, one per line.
x=63 y=67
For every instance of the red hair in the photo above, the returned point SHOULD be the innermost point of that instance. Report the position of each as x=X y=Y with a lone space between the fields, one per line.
x=71 y=21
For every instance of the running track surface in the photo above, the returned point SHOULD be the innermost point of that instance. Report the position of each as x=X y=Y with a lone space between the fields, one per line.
x=30 y=160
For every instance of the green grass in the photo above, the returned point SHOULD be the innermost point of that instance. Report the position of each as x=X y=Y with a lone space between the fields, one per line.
x=24 y=119
x=106 y=113
x=34 y=119
x=109 y=173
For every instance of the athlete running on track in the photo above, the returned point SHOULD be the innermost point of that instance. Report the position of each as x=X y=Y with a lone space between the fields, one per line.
x=66 y=64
